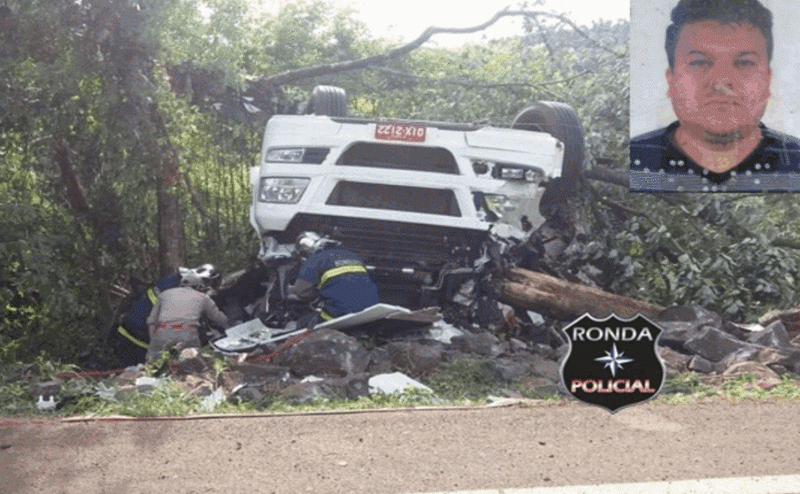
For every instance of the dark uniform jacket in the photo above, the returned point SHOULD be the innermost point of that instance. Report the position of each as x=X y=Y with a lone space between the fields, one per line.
x=339 y=278
x=658 y=165
x=131 y=337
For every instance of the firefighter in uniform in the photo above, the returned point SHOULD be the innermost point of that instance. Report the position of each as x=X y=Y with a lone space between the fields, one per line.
x=131 y=338
x=335 y=275
x=178 y=316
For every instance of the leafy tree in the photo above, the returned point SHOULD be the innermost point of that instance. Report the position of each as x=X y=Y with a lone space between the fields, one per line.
x=78 y=96
x=106 y=163
x=127 y=128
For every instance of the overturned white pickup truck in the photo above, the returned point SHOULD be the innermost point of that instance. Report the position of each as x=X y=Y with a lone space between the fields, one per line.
x=420 y=201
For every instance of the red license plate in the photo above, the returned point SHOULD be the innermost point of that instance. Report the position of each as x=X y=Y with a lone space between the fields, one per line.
x=400 y=132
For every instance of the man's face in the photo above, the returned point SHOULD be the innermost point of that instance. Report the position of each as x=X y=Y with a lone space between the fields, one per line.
x=720 y=82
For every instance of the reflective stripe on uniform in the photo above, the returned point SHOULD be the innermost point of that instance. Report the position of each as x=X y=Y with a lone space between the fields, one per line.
x=339 y=271
x=177 y=326
x=325 y=316
x=136 y=341
x=152 y=296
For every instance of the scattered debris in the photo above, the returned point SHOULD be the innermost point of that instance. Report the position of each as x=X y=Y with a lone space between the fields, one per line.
x=443 y=332
x=393 y=383
x=254 y=334
x=48 y=404
x=355 y=361
x=211 y=401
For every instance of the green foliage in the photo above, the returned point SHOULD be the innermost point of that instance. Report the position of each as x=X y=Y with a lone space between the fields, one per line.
x=685 y=388
x=546 y=392
x=699 y=250
x=305 y=34
x=475 y=380
x=745 y=387
x=15 y=382
x=400 y=399
x=40 y=309
x=166 y=400
x=71 y=103
x=691 y=387
x=68 y=82
x=458 y=382
x=15 y=398
x=465 y=379
x=216 y=172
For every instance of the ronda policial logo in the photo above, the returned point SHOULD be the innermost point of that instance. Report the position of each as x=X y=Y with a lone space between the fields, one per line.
x=612 y=362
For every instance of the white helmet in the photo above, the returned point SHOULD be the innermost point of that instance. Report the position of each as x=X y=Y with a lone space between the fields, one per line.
x=310 y=242
x=307 y=243
x=189 y=278
x=199 y=278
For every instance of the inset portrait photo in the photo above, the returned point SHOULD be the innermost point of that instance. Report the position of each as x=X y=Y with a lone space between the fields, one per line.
x=715 y=96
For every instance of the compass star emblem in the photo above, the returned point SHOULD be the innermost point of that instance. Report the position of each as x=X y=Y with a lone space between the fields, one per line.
x=614 y=360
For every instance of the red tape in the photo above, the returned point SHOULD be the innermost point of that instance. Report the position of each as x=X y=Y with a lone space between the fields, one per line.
x=264 y=359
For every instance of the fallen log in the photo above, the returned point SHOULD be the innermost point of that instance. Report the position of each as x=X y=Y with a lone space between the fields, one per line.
x=565 y=300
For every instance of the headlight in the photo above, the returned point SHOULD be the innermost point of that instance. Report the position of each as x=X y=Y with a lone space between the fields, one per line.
x=308 y=156
x=509 y=171
x=282 y=190
x=500 y=204
x=294 y=155
x=532 y=175
x=512 y=173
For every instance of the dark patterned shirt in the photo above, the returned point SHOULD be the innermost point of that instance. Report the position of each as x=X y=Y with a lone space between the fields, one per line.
x=658 y=165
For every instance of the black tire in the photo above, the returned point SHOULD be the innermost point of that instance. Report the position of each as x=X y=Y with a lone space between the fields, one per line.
x=560 y=121
x=328 y=100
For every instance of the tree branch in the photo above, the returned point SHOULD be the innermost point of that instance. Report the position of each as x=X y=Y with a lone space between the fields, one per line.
x=339 y=67
x=479 y=84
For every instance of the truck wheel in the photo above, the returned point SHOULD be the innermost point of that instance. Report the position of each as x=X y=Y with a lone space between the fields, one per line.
x=560 y=121
x=328 y=100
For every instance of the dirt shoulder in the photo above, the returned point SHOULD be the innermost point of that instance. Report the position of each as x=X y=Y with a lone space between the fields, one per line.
x=402 y=450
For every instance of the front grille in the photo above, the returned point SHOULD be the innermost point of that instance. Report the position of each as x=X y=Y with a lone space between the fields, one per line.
x=395 y=198
x=395 y=244
x=399 y=157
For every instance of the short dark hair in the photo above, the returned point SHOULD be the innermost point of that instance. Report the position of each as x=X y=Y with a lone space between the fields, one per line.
x=723 y=11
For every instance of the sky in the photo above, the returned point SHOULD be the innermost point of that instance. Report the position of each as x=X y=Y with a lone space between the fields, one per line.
x=407 y=19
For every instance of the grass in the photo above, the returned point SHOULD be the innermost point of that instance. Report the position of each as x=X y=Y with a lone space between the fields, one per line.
x=685 y=388
x=465 y=380
x=460 y=382
x=746 y=388
x=691 y=387
x=405 y=399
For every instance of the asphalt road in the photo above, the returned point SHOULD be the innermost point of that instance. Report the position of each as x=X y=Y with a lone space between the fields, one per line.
x=408 y=451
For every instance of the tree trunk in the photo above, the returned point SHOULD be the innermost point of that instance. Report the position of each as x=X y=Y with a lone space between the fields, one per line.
x=607 y=175
x=171 y=239
x=75 y=195
x=566 y=300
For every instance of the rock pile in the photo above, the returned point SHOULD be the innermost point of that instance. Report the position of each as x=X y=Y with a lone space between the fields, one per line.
x=333 y=364
x=699 y=340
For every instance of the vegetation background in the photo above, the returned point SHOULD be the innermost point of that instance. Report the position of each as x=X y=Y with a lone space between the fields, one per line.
x=125 y=151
